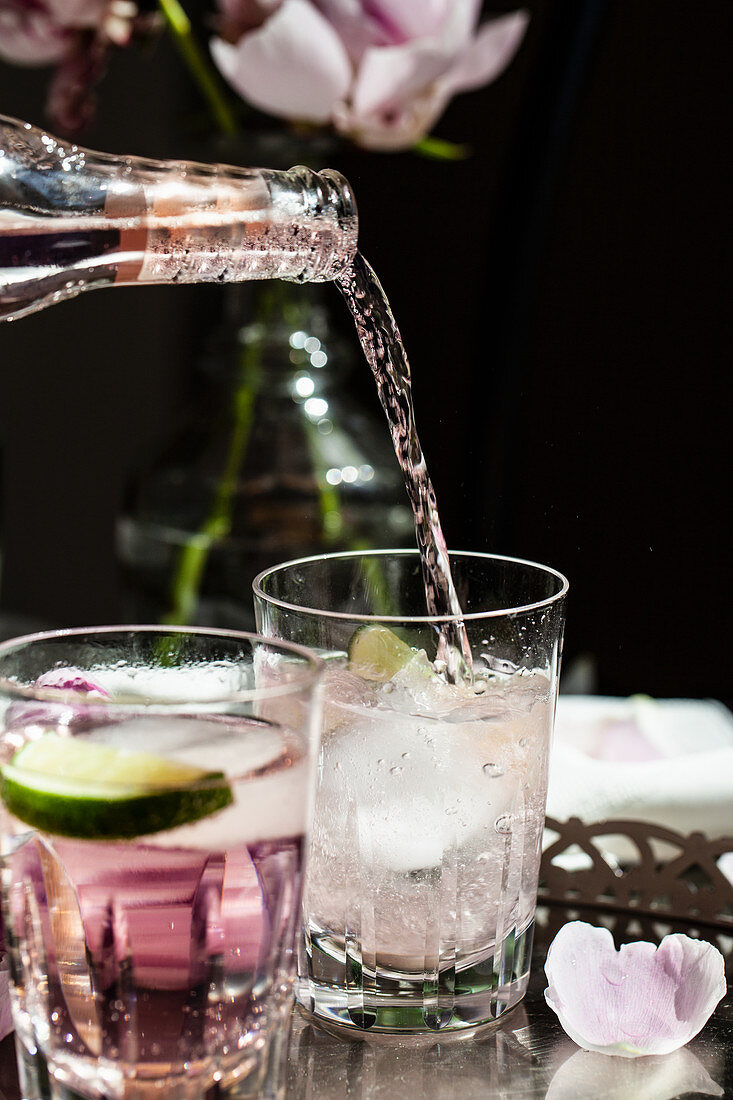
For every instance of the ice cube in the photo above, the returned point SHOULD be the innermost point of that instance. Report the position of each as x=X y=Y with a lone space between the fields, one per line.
x=416 y=786
x=416 y=688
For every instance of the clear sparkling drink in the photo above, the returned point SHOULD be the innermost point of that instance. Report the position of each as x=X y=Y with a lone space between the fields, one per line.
x=426 y=845
x=423 y=864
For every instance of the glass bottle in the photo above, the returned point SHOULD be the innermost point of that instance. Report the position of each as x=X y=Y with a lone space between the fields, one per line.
x=281 y=460
x=72 y=220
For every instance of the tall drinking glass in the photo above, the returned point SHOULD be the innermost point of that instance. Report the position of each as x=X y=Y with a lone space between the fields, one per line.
x=430 y=800
x=156 y=787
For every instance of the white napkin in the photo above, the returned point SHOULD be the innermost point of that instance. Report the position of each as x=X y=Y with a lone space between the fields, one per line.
x=668 y=762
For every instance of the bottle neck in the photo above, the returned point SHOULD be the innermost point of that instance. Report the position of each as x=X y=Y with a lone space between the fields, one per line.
x=162 y=221
x=196 y=223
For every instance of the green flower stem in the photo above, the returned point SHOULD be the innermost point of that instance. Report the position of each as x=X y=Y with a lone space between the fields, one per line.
x=189 y=572
x=437 y=149
x=179 y=26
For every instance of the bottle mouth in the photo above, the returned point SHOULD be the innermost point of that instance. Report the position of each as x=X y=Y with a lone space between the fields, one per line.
x=328 y=194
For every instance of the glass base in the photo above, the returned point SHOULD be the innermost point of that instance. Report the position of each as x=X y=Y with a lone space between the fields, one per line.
x=349 y=1001
x=260 y=1078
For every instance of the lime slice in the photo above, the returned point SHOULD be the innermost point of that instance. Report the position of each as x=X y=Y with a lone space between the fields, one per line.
x=79 y=788
x=375 y=653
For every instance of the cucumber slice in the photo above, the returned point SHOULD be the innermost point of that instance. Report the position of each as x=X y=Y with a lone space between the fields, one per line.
x=79 y=788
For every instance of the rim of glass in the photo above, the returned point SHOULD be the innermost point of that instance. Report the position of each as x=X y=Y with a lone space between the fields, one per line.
x=408 y=552
x=311 y=670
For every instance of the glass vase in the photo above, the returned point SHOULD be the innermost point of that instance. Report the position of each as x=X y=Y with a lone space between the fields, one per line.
x=279 y=460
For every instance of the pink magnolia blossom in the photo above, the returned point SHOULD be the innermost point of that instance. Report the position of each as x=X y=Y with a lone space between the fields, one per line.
x=73 y=35
x=640 y=1000
x=39 y=32
x=380 y=71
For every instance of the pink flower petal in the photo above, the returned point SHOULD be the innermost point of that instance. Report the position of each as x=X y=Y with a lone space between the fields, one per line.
x=72 y=679
x=394 y=127
x=41 y=33
x=237 y=17
x=639 y=1000
x=294 y=65
x=489 y=53
x=365 y=23
x=49 y=713
x=390 y=76
x=359 y=27
x=79 y=13
x=425 y=19
x=30 y=37
x=401 y=90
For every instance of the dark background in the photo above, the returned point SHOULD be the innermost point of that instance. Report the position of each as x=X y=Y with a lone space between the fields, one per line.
x=564 y=296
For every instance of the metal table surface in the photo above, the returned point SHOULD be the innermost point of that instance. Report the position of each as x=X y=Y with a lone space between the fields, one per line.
x=528 y=1055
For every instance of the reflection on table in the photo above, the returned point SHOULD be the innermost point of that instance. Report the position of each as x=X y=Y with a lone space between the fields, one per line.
x=529 y=1056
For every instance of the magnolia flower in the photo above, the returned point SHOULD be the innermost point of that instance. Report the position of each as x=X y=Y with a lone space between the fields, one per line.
x=639 y=1000
x=40 y=32
x=73 y=35
x=380 y=71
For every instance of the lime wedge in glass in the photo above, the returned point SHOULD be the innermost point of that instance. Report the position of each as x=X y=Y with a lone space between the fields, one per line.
x=376 y=653
x=79 y=788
